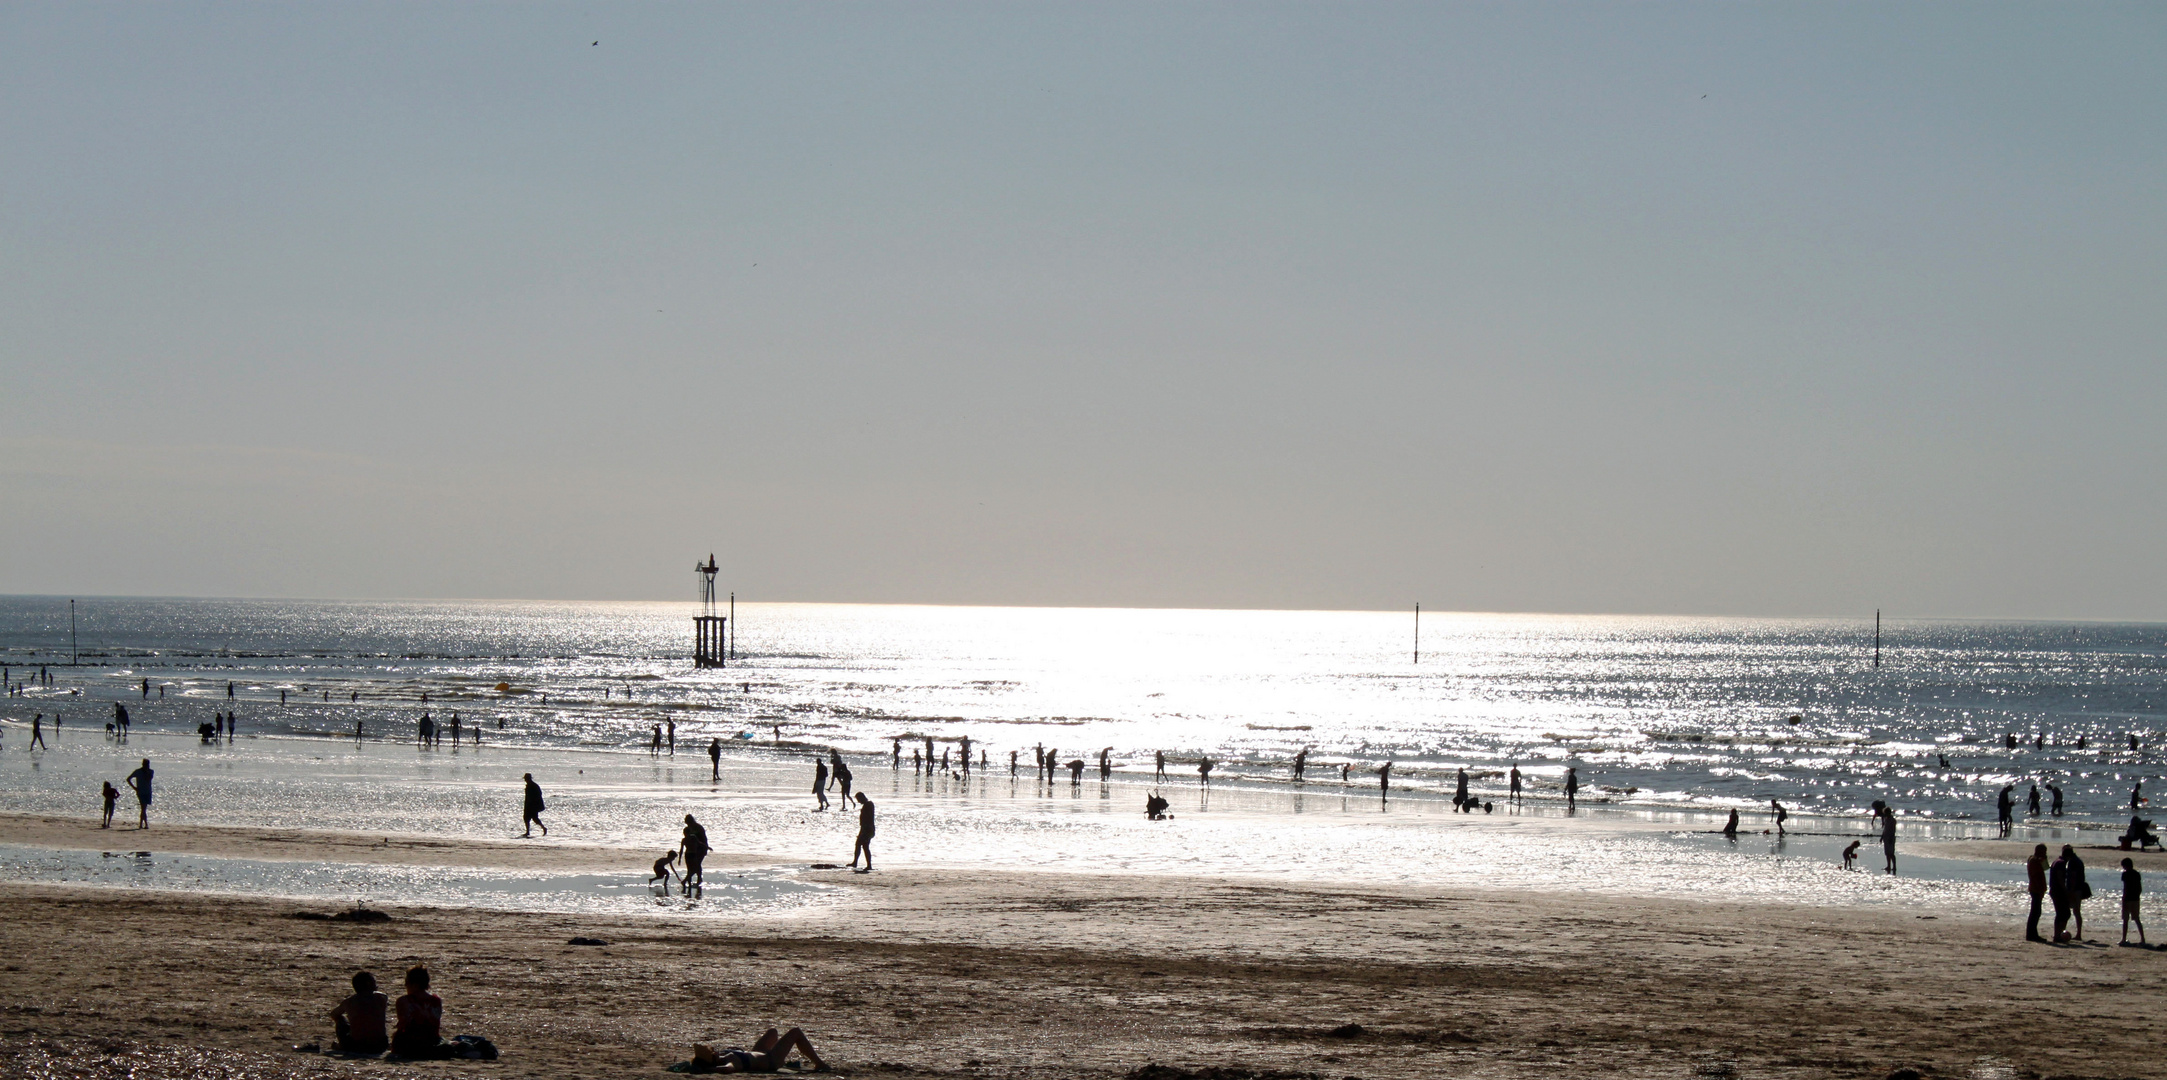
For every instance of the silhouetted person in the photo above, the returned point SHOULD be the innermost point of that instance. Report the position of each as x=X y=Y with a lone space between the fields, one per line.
x=2080 y=889
x=865 y=835
x=654 y=746
x=2004 y=805
x=842 y=777
x=2035 y=880
x=1514 y=779
x=696 y=849
x=421 y=1019
x=1730 y=827
x=112 y=796
x=120 y=719
x=2055 y=800
x=916 y=767
x=714 y=756
x=1384 y=779
x=820 y=782
x=37 y=730
x=2132 y=893
x=534 y=808
x=670 y=735
x=1301 y=761
x=1158 y=758
x=1888 y=835
x=2058 y=891
x=2031 y=802
x=2136 y=793
x=665 y=868
x=1782 y=815
x=898 y=765
x=966 y=753
x=1572 y=788
x=1459 y=790
x=1106 y=766
x=139 y=782
x=1155 y=806
x=929 y=755
x=1851 y=855
x=1075 y=770
x=357 y=1023
x=1012 y=764
x=1203 y=770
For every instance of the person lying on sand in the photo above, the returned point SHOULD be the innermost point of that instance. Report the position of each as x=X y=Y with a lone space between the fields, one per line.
x=767 y=1054
x=358 y=1021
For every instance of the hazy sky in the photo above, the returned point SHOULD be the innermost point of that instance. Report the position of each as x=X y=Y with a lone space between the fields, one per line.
x=1726 y=308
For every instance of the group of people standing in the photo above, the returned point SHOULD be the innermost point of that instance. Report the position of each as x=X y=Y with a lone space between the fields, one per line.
x=2063 y=882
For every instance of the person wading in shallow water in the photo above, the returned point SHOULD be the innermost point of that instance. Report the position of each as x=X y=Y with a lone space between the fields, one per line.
x=534 y=809
x=714 y=755
x=139 y=782
x=695 y=845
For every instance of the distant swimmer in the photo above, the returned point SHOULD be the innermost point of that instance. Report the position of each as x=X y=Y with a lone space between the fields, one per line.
x=864 y=844
x=534 y=807
x=139 y=781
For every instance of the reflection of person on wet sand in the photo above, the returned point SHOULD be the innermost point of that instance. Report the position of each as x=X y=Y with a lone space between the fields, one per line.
x=865 y=835
x=768 y=1053
x=696 y=849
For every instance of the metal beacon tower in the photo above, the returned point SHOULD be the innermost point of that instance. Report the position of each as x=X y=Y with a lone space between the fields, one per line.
x=710 y=645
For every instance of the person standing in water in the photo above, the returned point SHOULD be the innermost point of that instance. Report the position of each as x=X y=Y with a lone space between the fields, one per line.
x=2032 y=802
x=966 y=744
x=1106 y=767
x=696 y=849
x=1384 y=780
x=534 y=808
x=1159 y=758
x=2005 y=807
x=672 y=734
x=1887 y=814
x=1781 y=815
x=820 y=782
x=1459 y=790
x=37 y=730
x=1572 y=787
x=714 y=756
x=139 y=782
x=1730 y=827
x=1514 y=792
x=1012 y=764
x=1203 y=769
x=1301 y=761
x=897 y=766
x=864 y=845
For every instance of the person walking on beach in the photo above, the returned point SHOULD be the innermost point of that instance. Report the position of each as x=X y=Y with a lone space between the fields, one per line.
x=1384 y=781
x=1730 y=827
x=1781 y=815
x=1106 y=767
x=112 y=795
x=1459 y=789
x=534 y=808
x=37 y=731
x=139 y=782
x=672 y=734
x=820 y=782
x=864 y=845
x=1203 y=769
x=929 y=755
x=2004 y=806
x=1572 y=787
x=2132 y=892
x=1513 y=792
x=2080 y=889
x=842 y=776
x=2035 y=880
x=1301 y=762
x=714 y=756
x=696 y=849
x=1158 y=758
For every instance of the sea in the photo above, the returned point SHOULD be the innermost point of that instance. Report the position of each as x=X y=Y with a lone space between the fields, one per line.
x=1668 y=722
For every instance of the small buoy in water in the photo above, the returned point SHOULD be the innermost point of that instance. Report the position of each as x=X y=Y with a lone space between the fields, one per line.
x=504 y=688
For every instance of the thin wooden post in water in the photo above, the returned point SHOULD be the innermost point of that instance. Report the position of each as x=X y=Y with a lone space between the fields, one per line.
x=1877 y=637
x=1418 y=633
x=733 y=626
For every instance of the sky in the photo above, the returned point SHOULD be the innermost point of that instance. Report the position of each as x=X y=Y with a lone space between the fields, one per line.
x=1757 y=309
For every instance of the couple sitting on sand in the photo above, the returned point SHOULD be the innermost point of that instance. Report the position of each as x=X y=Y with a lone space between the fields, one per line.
x=359 y=1022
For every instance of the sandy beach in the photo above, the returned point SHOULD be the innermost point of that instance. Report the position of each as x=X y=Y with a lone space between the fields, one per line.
x=1040 y=974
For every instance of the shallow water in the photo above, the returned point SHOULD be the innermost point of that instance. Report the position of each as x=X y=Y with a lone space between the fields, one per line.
x=1655 y=711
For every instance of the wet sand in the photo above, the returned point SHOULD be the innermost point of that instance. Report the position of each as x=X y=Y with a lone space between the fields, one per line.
x=973 y=973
